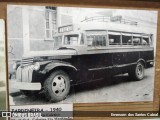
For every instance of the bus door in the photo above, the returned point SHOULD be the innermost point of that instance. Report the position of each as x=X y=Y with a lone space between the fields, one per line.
x=96 y=50
x=119 y=44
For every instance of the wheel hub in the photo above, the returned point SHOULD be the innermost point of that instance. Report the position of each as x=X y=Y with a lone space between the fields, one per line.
x=139 y=71
x=58 y=85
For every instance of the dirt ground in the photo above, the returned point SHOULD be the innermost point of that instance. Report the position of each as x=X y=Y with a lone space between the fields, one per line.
x=119 y=89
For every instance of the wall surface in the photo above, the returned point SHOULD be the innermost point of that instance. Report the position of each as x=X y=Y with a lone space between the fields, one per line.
x=21 y=18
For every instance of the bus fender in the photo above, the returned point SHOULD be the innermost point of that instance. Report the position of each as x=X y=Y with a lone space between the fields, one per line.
x=54 y=65
x=143 y=61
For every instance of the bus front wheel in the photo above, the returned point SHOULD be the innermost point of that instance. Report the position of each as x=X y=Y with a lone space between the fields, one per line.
x=137 y=73
x=57 y=86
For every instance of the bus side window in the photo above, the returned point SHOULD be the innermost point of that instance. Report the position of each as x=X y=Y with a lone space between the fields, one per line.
x=114 y=39
x=96 y=40
x=136 y=40
x=103 y=40
x=151 y=39
x=66 y=40
x=145 y=40
x=126 y=39
x=90 y=40
x=129 y=42
x=82 y=39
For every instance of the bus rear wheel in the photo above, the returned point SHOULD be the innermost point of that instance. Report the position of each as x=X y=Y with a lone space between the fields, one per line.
x=137 y=72
x=57 y=86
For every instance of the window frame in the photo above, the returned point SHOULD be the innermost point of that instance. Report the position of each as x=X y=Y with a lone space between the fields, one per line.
x=51 y=28
x=129 y=35
x=118 y=32
x=149 y=39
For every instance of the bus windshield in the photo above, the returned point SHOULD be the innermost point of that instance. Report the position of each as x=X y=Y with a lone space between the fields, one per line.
x=71 y=39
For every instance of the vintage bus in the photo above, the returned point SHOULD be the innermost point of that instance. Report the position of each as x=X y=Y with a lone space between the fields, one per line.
x=85 y=52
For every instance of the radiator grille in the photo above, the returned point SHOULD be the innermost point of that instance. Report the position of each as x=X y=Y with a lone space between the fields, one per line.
x=24 y=74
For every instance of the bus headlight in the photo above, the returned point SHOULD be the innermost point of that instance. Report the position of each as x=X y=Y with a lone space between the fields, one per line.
x=36 y=66
x=14 y=66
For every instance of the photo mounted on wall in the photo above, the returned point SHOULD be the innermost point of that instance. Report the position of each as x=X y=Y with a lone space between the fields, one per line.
x=80 y=55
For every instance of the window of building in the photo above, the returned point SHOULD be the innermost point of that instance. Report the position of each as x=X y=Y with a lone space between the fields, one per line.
x=114 y=38
x=50 y=17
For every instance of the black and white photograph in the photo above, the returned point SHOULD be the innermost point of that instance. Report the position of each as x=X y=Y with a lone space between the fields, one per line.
x=80 y=55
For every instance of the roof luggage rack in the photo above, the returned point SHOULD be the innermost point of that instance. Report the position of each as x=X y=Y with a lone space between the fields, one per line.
x=117 y=19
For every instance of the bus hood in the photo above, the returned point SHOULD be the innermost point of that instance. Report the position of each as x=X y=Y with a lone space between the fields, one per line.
x=50 y=53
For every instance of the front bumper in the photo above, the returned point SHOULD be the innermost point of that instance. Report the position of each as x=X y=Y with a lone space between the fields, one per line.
x=24 y=85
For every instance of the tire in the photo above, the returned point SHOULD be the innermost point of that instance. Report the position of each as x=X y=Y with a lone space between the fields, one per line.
x=29 y=93
x=137 y=73
x=57 y=86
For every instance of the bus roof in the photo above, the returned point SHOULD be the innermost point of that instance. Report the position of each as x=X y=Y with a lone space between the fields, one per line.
x=110 y=26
